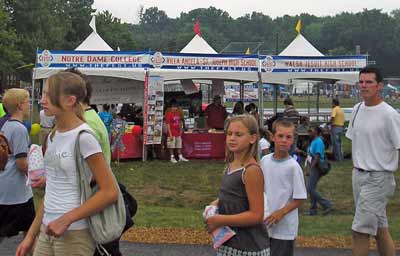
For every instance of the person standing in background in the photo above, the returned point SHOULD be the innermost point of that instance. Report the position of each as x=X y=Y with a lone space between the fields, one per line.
x=216 y=114
x=46 y=124
x=106 y=117
x=175 y=122
x=337 y=123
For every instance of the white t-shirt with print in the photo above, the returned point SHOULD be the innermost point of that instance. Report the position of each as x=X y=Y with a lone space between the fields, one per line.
x=283 y=182
x=375 y=137
x=62 y=194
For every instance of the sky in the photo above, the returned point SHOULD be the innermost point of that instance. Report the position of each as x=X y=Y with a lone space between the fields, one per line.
x=127 y=10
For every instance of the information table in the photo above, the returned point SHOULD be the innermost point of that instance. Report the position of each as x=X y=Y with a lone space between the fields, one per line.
x=204 y=145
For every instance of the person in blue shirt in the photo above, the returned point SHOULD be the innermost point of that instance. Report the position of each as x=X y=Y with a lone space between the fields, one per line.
x=106 y=117
x=315 y=156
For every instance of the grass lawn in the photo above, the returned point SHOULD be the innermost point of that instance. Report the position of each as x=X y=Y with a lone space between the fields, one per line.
x=173 y=195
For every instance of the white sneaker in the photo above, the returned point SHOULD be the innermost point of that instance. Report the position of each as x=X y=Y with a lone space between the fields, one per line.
x=182 y=159
x=173 y=160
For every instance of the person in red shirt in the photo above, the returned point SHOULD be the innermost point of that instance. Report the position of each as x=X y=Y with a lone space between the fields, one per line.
x=216 y=114
x=174 y=121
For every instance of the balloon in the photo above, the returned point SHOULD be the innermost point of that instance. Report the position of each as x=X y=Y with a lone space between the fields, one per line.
x=27 y=125
x=35 y=129
x=136 y=130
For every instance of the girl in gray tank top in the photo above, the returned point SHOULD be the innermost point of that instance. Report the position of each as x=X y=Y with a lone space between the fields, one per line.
x=241 y=198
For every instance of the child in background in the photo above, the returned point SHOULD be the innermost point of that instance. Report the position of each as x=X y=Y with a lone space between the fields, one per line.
x=241 y=198
x=107 y=118
x=285 y=190
x=175 y=122
x=264 y=142
x=315 y=156
x=60 y=221
x=17 y=209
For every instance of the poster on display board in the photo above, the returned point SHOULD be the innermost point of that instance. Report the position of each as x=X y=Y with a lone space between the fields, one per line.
x=153 y=110
x=232 y=93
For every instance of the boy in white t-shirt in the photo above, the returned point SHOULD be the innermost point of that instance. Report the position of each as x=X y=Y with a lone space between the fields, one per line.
x=285 y=190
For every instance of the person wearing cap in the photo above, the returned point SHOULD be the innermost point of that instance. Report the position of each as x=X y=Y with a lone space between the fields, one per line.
x=216 y=114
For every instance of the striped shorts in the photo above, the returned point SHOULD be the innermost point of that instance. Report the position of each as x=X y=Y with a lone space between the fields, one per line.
x=229 y=251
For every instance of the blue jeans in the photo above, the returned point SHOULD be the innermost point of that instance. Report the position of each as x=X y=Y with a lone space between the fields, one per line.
x=315 y=196
x=336 y=139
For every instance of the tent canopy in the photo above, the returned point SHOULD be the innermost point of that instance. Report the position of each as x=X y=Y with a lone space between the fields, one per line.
x=198 y=45
x=294 y=63
x=300 y=46
x=94 y=42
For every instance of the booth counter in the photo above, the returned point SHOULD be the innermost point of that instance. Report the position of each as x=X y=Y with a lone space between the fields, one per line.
x=196 y=145
x=203 y=145
x=131 y=146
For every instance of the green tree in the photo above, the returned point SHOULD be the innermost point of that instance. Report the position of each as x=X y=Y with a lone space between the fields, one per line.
x=114 y=32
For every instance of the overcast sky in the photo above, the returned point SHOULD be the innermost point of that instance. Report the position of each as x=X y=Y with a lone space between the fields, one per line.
x=127 y=10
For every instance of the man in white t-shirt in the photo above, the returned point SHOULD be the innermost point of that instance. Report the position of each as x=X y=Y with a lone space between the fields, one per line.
x=374 y=130
x=285 y=190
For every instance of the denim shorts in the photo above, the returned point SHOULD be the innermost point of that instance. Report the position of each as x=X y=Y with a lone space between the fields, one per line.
x=372 y=191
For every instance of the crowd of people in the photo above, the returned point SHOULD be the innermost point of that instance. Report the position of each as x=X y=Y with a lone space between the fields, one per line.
x=262 y=187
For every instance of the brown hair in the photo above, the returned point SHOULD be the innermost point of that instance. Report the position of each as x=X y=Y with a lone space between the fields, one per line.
x=251 y=124
x=14 y=96
x=67 y=83
x=282 y=123
x=88 y=85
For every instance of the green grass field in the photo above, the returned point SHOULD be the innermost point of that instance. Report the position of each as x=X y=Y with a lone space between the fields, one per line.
x=174 y=195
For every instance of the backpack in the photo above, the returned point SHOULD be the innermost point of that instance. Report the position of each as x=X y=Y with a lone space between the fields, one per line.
x=324 y=167
x=108 y=224
x=4 y=151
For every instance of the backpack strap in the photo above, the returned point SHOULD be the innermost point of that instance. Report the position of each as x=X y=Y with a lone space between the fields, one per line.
x=355 y=115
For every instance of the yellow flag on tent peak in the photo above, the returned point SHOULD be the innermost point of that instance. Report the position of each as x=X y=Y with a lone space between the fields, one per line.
x=298 y=26
x=248 y=51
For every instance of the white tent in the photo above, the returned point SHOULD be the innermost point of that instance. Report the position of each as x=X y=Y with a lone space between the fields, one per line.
x=198 y=45
x=302 y=54
x=117 y=77
x=93 y=42
x=300 y=46
x=92 y=57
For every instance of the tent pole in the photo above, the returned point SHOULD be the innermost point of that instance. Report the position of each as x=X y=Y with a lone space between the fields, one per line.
x=275 y=99
x=241 y=91
x=260 y=101
x=308 y=98
x=33 y=86
x=318 y=86
x=260 y=94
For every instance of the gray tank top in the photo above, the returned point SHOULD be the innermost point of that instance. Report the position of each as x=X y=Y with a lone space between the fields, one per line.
x=233 y=200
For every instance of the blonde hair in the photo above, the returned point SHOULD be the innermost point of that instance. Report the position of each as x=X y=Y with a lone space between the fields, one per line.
x=14 y=96
x=67 y=83
x=251 y=124
x=282 y=123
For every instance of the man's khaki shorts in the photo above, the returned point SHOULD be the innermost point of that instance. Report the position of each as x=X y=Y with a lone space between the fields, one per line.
x=372 y=191
x=174 y=142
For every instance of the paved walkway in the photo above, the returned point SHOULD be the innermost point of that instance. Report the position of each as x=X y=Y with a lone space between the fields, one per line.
x=8 y=246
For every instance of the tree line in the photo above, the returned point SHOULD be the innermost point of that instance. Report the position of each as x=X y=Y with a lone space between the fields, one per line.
x=26 y=25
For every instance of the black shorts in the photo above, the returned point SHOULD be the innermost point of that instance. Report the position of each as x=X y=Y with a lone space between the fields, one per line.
x=281 y=247
x=16 y=217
